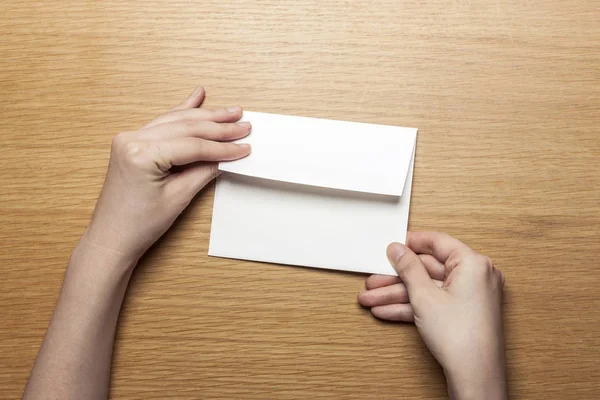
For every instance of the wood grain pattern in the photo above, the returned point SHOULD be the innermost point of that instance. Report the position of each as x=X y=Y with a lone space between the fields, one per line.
x=506 y=96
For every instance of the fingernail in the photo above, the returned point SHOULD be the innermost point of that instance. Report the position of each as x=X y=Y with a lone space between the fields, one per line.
x=245 y=146
x=197 y=91
x=245 y=124
x=234 y=109
x=395 y=251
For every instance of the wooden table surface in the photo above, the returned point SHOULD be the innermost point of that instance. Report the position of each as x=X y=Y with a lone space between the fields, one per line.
x=506 y=96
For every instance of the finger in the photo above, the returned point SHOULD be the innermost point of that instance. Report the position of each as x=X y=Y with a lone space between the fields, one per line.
x=392 y=294
x=230 y=114
x=394 y=312
x=193 y=101
x=439 y=245
x=193 y=178
x=201 y=129
x=411 y=271
x=377 y=281
x=435 y=269
x=189 y=150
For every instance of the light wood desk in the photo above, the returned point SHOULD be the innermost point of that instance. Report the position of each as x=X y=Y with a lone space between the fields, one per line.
x=506 y=96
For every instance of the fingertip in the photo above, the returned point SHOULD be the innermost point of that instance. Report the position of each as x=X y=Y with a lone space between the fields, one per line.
x=246 y=147
x=369 y=282
x=231 y=151
x=245 y=125
x=394 y=312
x=380 y=313
x=234 y=110
x=194 y=100
x=366 y=298
x=395 y=251
x=230 y=114
x=197 y=97
x=198 y=91
x=238 y=151
x=360 y=297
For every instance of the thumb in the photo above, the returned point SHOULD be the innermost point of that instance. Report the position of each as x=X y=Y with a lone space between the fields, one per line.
x=411 y=270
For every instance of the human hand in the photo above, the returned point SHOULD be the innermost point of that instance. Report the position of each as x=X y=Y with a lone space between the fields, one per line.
x=154 y=173
x=454 y=296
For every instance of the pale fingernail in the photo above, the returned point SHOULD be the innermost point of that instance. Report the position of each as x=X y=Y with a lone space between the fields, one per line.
x=197 y=91
x=234 y=109
x=245 y=146
x=395 y=251
x=245 y=124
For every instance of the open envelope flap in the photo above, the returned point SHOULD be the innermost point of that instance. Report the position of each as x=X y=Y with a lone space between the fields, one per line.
x=326 y=153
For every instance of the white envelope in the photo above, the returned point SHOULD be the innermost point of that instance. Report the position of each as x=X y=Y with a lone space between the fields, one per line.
x=316 y=193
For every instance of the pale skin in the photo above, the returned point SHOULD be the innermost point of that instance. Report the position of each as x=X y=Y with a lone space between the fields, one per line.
x=454 y=297
x=453 y=294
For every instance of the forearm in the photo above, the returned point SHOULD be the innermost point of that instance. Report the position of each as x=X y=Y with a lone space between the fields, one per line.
x=141 y=198
x=75 y=357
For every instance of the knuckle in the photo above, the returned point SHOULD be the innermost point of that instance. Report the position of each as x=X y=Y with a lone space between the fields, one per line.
x=482 y=266
x=366 y=299
x=134 y=153
x=482 y=263
x=488 y=262
x=120 y=140
x=162 y=117
x=471 y=261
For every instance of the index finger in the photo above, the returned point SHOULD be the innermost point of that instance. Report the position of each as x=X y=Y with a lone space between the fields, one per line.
x=440 y=245
x=194 y=100
x=185 y=151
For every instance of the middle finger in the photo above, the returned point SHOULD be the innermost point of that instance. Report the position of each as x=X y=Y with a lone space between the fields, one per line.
x=199 y=129
x=392 y=294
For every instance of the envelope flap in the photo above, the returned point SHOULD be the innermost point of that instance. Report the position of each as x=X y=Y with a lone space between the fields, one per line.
x=326 y=153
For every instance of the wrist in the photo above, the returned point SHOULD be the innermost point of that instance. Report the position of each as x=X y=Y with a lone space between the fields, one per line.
x=96 y=277
x=91 y=253
x=93 y=245
x=477 y=383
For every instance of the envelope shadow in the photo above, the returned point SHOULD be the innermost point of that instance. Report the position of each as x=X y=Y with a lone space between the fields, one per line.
x=304 y=189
